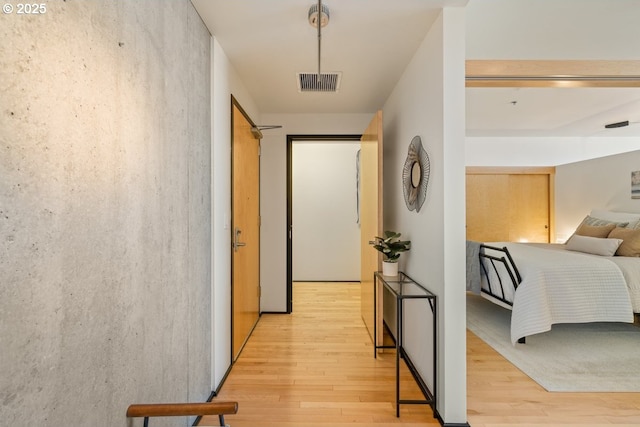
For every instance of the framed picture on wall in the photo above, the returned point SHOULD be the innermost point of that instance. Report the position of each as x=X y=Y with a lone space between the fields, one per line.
x=635 y=185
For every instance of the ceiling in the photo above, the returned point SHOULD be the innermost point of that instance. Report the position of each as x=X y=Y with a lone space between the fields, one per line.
x=544 y=112
x=371 y=42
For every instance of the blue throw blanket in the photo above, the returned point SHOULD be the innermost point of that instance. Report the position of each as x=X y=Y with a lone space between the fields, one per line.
x=473 y=266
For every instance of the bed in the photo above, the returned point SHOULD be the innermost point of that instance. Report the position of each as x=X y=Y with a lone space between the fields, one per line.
x=547 y=284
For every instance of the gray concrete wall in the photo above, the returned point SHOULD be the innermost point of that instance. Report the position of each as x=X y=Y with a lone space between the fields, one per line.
x=105 y=207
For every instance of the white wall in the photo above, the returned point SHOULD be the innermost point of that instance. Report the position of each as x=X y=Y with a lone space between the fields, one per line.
x=503 y=151
x=429 y=101
x=225 y=82
x=326 y=233
x=273 y=192
x=603 y=183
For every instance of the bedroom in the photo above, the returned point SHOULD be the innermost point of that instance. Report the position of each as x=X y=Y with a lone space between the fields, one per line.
x=580 y=187
x=571 y=142
x=547 y=139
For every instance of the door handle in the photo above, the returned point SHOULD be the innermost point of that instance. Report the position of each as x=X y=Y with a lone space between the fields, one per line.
x=236 y=240
x=372 y=242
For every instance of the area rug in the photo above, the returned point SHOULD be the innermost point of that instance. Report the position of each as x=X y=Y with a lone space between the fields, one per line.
x=591 y=357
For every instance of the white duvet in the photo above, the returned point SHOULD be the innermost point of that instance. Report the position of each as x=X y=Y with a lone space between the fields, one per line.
x=560 y=286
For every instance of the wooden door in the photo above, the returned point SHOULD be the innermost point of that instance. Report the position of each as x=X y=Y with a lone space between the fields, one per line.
x=245 y=229
x=487 y=207
x=370 y=221
x=529 y=208
x=509 y=207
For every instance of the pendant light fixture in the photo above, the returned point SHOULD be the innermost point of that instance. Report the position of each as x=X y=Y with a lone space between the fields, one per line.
x=314 y=16
x=319 y=17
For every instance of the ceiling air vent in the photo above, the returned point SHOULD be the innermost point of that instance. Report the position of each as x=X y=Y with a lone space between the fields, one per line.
x=309 y=82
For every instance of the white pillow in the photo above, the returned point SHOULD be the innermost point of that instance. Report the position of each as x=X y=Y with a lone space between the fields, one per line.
x=631 y=218
x=593 y=245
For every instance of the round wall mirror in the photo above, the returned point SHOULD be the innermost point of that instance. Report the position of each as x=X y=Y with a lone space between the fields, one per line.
x=415 y=175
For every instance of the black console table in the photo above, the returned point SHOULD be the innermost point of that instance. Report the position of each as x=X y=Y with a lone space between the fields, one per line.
x=403 y=288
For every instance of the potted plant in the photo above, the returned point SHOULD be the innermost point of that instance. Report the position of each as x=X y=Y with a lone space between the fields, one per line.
x=391 y=246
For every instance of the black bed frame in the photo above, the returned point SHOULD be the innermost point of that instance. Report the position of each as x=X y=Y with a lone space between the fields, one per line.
x=495 y=255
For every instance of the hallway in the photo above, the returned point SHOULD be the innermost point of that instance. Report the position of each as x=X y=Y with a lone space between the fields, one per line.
x=316 y=368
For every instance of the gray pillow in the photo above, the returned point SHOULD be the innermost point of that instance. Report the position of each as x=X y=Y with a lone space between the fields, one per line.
x=597 y=222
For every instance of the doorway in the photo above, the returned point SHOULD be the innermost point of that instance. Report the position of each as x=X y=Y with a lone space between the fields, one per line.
x=369 y=189
x=312 y=273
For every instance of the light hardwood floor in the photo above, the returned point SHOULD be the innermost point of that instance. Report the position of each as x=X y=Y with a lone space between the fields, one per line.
x=315 y=368
x=500 y=395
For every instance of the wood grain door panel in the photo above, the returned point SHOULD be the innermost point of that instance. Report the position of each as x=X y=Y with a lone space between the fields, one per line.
x=370 y=220
x=508 y=207
x=487 y=208
x=245 y=230
x=529 y=208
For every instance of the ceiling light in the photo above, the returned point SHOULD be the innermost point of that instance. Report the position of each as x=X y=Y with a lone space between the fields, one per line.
x=318 y=18
x=313 y=16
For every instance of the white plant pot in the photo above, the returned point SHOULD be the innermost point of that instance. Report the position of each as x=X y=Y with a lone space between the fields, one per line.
x=389 y=268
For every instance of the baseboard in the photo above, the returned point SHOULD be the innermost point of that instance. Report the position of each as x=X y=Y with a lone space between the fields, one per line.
x=443 y=424
x=199 y=417
x=387 y=330
x=224 y=378
x=326 y=281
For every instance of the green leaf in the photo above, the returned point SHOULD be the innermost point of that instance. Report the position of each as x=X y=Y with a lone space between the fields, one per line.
x=390 y=245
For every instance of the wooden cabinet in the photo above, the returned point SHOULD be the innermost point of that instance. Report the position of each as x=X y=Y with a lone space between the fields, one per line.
x=513 y=205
